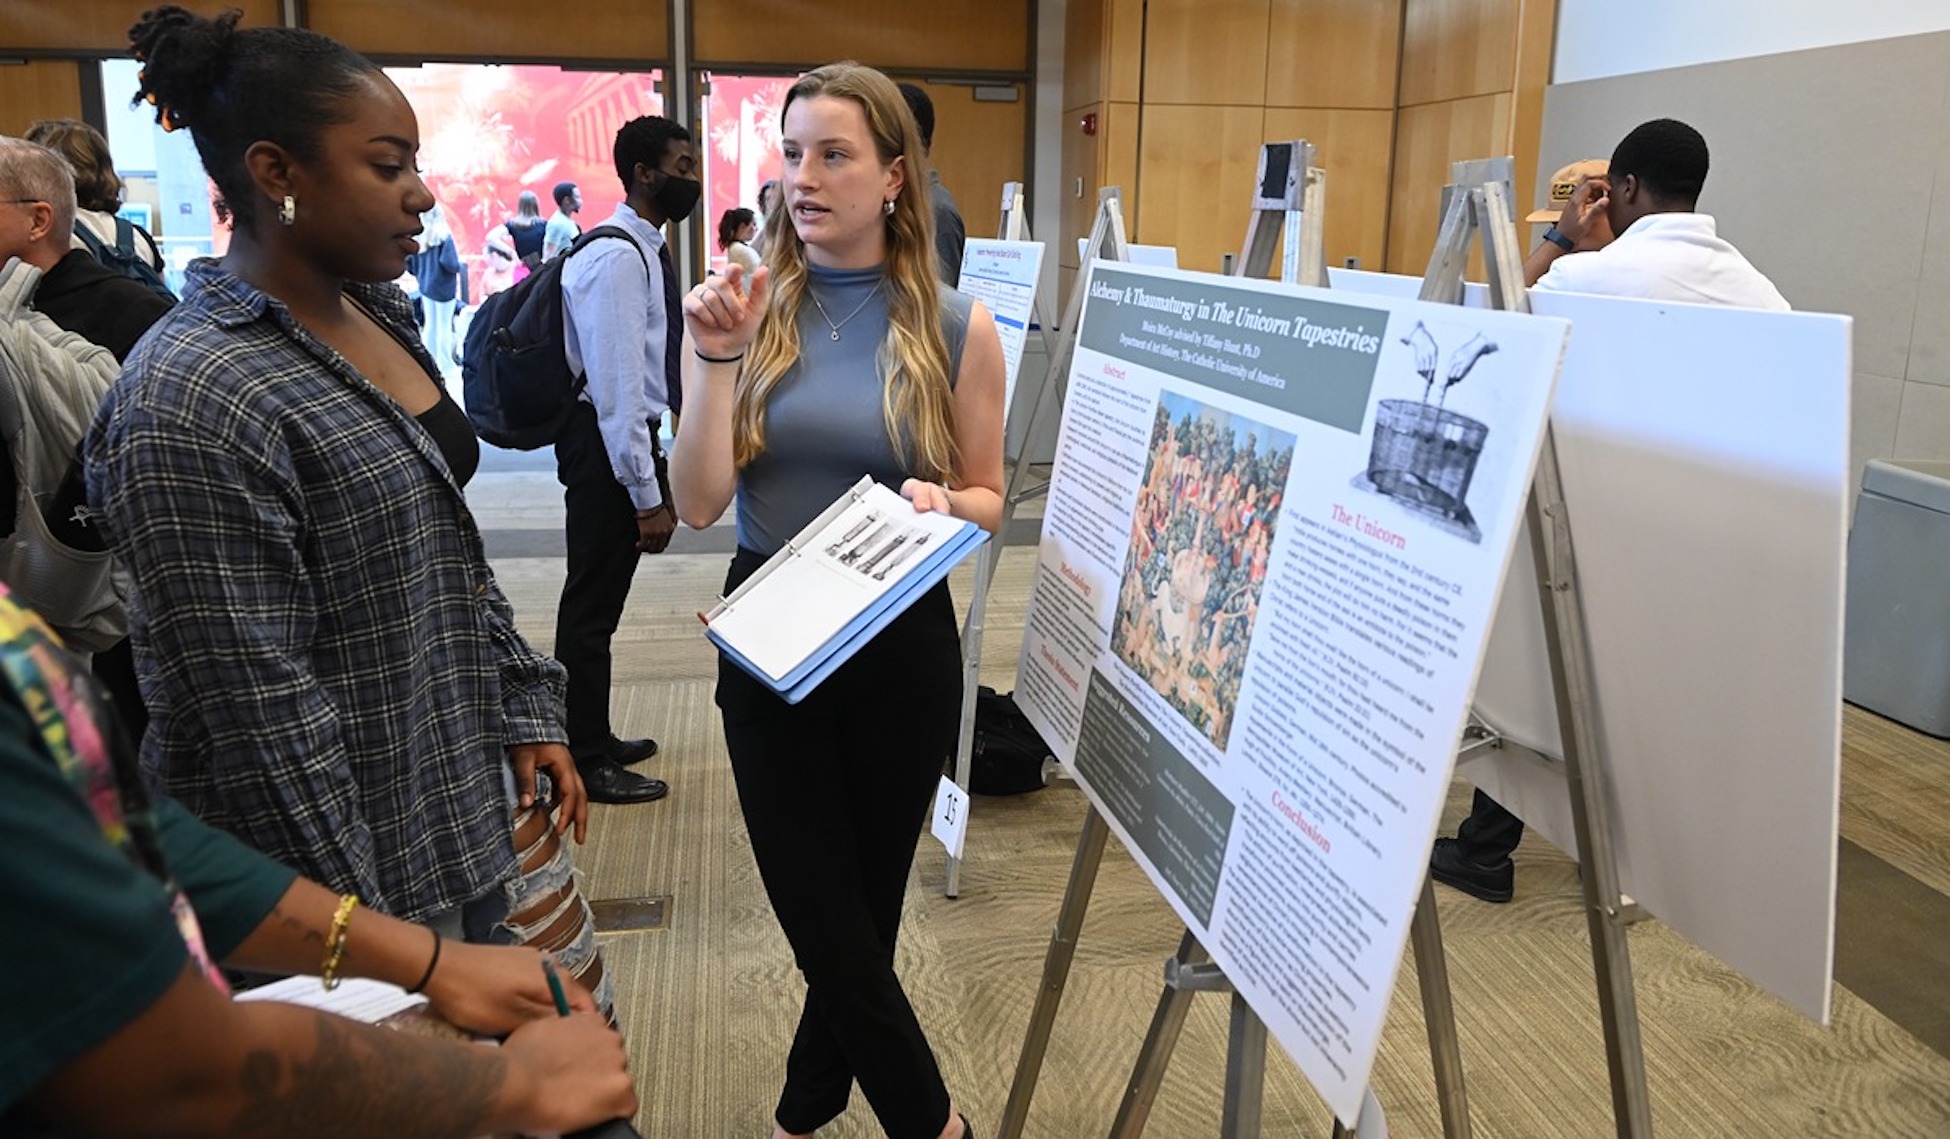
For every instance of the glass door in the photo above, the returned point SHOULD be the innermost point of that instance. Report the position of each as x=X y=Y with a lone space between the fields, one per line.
x=739 y=142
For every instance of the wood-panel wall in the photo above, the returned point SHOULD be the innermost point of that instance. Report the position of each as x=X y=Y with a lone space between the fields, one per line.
x=98 y=27
x=38 y=89
x=1216 y=78
x=1110 y=158
x=1353 y=148
x=1192 y=161
x=1473 y=79
x=1103 y=65
x=1205 y=52
x=977 y=147
x=1428 y=138
x=888 y=34
x=1332 y=53
x=630 y=30
x=1389 y=91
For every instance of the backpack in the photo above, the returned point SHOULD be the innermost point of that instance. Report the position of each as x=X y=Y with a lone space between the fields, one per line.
x=52 y=556
x=1009 y=756
x=122 y=256
x=514 y=368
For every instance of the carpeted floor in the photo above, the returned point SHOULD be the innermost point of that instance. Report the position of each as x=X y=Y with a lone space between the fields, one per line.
x=710 y=1001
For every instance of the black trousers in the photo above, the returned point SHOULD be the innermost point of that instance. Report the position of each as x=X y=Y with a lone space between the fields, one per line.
x=601 y=538
x=835 y=791
x=1490 y=834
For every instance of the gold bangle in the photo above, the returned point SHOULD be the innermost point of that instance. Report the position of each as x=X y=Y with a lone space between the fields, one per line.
x=335 y=941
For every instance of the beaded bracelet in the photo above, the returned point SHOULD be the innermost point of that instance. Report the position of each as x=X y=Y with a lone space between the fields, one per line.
x=335 y=941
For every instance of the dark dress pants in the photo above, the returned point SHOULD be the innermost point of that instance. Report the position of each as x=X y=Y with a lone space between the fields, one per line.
x=601 y=539
x=835 y=791
x=1490 y=834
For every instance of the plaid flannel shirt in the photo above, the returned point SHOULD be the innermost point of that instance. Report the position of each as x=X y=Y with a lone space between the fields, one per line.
x=331 y=672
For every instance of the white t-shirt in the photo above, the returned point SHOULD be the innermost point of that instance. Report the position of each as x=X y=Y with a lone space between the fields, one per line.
x=560 y=233
x=102 y=225
x=739 y=253
x=1666 y=257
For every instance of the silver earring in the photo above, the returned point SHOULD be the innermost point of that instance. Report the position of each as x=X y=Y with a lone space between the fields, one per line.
x=288 y=211
x=887 y=207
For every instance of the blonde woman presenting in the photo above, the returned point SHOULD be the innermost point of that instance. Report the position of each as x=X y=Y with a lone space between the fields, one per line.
x=844 y=355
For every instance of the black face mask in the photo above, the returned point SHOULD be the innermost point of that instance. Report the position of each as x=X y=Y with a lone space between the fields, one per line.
x=677 y=197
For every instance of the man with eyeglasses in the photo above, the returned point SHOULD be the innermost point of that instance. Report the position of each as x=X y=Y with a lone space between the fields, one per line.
x=82 y=296
x=76 y=291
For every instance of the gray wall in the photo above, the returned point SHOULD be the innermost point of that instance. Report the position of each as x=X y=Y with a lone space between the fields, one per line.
x=1831 y=172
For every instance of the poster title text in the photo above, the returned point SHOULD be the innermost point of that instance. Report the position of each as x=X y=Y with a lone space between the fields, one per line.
x=1355 y=339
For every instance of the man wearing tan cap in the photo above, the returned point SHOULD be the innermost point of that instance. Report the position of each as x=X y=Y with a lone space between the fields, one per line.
x=1663 y=250
x=1583 y=215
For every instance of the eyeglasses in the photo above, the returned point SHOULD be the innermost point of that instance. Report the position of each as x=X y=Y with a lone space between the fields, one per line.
x=23 y=201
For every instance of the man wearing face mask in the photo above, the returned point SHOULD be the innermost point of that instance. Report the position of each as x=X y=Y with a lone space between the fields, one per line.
x=618 y=303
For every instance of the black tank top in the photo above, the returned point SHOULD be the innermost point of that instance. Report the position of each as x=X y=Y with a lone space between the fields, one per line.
x=454 y=435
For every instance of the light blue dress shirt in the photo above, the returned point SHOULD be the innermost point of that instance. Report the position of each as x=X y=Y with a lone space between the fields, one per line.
x=614 y=320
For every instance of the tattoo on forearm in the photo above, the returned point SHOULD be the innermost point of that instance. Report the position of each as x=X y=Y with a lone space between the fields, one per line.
x=370 y=1081
x=304 y=930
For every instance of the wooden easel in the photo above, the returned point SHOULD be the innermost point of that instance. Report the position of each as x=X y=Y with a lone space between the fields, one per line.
x=1477 y=205
x=1288 y=190
x=1031 y=410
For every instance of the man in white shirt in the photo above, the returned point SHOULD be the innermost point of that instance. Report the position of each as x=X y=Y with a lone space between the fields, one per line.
x=562 y=229
x=1666 y=251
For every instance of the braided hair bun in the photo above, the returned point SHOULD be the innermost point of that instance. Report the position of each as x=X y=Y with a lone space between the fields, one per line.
x=183 y=57
x=233 y=87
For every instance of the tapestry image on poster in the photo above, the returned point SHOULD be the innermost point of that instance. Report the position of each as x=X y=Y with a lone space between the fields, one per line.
x=1206 y=516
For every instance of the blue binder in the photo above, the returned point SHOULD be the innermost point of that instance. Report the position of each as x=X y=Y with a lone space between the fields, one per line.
x=883 y=554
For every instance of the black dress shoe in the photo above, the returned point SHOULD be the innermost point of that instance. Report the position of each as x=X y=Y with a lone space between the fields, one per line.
x=604 y=782
x=1451 y=867
x=630 y=752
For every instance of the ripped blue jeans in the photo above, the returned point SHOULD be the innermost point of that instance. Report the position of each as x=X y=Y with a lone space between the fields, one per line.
x=541 y=907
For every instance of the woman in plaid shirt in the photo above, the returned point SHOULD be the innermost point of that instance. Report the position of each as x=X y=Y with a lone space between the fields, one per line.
x=331 y=672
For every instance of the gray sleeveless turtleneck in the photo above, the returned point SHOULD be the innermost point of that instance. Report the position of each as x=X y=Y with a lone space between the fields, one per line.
x=823 y=426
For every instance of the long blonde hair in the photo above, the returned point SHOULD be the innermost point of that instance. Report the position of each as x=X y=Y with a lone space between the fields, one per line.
x=918 y=403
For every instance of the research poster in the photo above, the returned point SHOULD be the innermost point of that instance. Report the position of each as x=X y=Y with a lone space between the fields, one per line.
x=1003 y=275
x=1277 y=527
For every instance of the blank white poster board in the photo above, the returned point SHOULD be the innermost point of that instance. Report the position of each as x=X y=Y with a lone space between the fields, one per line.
x=1277 y=529
x=1158 y=256
x=1705 y=460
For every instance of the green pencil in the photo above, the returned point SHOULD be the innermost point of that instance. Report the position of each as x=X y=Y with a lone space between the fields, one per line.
x=555 y=986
